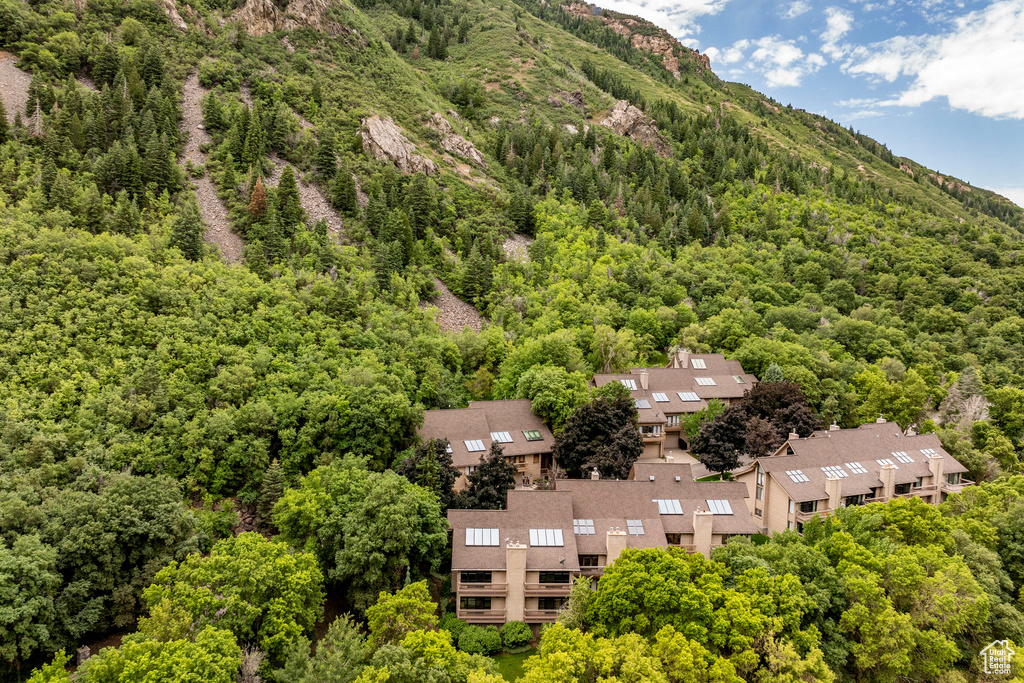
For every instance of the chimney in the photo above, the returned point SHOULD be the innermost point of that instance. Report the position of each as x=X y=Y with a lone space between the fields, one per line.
x=935 y=466
x=515 y=580
x=880 y=420
x=888 y=478
x=594 y=474
x=793 y=436
x=702 y=520
x=615 y=543
x=834 y=489
x=645 y=380
x=833 y=427
x=682 y=359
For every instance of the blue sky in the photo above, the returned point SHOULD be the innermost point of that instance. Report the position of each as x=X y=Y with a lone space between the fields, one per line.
x=941 y=82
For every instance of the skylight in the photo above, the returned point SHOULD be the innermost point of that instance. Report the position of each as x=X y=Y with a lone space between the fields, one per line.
x=857 y=468
x=532 y=435
x=835 y=471
x=739 y=379
x=669 y=506
x=482 y=537
x=635 y=527
x=474 y=445
x=720 y=507
x=629 y=384
x=797 y=475
x=887 y=461
x=546 y=537
x=642 y=403
x=929 y=451
x=699 y=364
x=902 y=457
x=705 y=381
x=688 y=396
x=583 y=527
x=660 y=397
x=501 y=437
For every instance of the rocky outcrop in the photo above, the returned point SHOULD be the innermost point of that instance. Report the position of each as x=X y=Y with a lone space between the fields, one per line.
x=625 y=119
x=574 y=98
x=382 y=139
x=171 y=10
x=261 y=17
x=453 y=143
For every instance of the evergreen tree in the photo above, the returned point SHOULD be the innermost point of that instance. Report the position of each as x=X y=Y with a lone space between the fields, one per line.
x=90 y=215
x=127 y=220
x=489 y=483
x=317 y=94
x=106 y=65
x=47 y=175
x=289 y=210
x=187 y=232
x=430 y=466
x=773 y=374
x=258 y=200
x=255 y=139
x=274 y=240
x=343 y=193
x=62 y=194
x=271 y=491
x=326 y=159
x=5 y=131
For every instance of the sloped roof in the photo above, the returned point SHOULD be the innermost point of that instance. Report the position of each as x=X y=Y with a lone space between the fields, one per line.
x=479 y=421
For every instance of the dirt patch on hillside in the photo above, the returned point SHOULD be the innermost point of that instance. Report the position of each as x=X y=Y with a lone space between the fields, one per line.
x=453 y=314
x=13 y=85
x=517 y=247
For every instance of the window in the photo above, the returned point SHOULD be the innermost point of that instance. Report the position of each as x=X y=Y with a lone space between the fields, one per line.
x=902 y=489
x=642 y=403
x=929 y=451
x=583 y=527
x=482 y=537
x=589 y=561
x=672 y=420
x=739 y=379
x=554 y=577
x=635 y=527
x=720 y=507
x=705 y=381
x=699 y=364
x=650 y=430
x=660 y=397
x=669 y=507
x=902 y=457
x=919 y=483
x=474 y=445
x=835 y=471
x=757 y=512
x=809 y=506
x=857 y=468
x=501 y=437
x=629 y=384
x=953 y=478
x=546 y=537
x=475 y=577
x=550 y=603
x=688 y=396
x=789 y=525
x=887 y=461
x=532 y=435
x=791 y=507
x=469 y=469
x=851 y=501
x=473 y=602
x=797 y=475
x=759 y=494
x=673 y=539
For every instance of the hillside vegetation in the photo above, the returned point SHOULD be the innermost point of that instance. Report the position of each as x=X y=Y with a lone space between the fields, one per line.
x=159 y=392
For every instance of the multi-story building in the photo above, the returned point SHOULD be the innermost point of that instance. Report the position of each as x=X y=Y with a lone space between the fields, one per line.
x=664 y=395
x=524 y=439
x=518 y=564
x=836 y=468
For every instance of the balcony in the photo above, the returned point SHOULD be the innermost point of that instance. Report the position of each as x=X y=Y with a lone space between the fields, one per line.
x=540 y=616
x=649 y=437
x=544 y=590
x=802 y=517
x=956 y=488
x=483 y=589
x=481 y=616
x=590 y=571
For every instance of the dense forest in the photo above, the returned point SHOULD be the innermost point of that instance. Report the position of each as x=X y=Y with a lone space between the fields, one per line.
x=208 y=446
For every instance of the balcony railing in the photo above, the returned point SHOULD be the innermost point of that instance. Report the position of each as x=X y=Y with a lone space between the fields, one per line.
x=591 y=571
x=482 y=589
x=956 y=488
x=540 y=616
x=547 y=589
x=482 y=616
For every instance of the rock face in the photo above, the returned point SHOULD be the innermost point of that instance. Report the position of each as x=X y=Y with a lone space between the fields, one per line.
x=625 y=119
x=453 y=143
x=261 y=17
x=171 y=9
x=382 y=139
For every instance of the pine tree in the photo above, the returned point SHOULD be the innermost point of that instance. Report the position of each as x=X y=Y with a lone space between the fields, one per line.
x=127 y=220
x=62 y=194
x=106 y=65
x=773 y=374
x=289 y=208
x=187 y=232
x=343 y=193
x=316 y=94
x=91 y=214
x=258 y=200
x=255 y=139
x=5 y=131
x=271 y=491
x=326 y=159
x=274 y=242
x=47 y=175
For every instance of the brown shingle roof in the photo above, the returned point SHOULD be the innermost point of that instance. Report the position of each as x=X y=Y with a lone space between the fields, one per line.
x=478 y=421
x=865 y=445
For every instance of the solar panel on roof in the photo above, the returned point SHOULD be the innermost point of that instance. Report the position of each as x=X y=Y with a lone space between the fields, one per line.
x=720 y=507
x=629 y=384
x=642 y=403
x=797 y=475
x=887 y=461
x=698 y=364
x=705 y=381
x=501 y=437
x=532 y=435
x=902 y=457
x=583 y=527
x=688 y=396
x=635 y=527
x=857 y=468
x=546 y=537
x=474 y=445
x=929 y=451
x=482 y=537
x=835 y=471
x=669 y=506
x=660 y=397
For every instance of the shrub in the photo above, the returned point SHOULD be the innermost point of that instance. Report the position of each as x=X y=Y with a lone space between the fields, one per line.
x=478 y=640
x=451 y=623
x=515 y=634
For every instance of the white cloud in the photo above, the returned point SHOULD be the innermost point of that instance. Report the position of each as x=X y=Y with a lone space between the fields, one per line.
x=678 y=17
x=796 y=9
x=728 y=55
x=838 y=23
x=781 y=62
x=977 y=66
x=1014 y=194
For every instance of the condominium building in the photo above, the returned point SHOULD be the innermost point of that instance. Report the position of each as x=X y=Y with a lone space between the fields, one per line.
x=518 y=564
x=524 y=439
x=664 y=395
x=813 y=476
